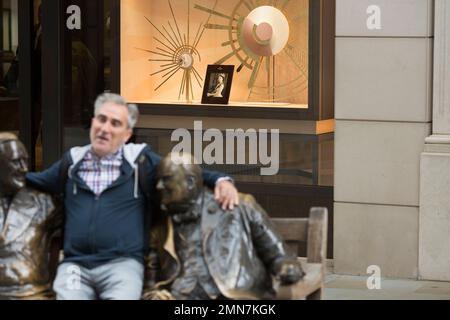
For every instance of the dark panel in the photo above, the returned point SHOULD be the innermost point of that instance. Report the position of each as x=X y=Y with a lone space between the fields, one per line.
x=115 y=54
x=25 y=76
x=293 y=201
x=314 y=99
x=328 y=58
x=289 y=194
x=225 y=111
x=53 y=79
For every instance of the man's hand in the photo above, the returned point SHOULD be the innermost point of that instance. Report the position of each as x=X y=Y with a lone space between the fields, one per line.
x=226 y=194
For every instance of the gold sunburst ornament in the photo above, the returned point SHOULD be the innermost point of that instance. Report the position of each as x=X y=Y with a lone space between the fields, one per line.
x=259 y=32
x=176 y=53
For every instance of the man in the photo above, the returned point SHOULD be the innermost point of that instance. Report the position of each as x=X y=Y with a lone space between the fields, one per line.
x=28 y=218
x=202 y=252
x=105 y=209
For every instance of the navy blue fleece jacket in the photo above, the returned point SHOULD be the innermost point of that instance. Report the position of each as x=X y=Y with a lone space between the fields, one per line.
x=100 y=229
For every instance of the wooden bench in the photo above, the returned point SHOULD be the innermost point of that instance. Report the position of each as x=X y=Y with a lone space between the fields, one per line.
x=294 y=231
x=313 y=232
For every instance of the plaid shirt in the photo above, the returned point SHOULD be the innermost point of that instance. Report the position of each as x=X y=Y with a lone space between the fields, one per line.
x=100 y=173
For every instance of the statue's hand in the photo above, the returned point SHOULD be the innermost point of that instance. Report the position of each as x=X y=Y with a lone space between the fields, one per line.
x=157 y=295
x=290 y=272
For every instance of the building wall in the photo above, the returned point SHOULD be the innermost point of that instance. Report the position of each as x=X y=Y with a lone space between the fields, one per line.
x=434 y=231
x=384 y=63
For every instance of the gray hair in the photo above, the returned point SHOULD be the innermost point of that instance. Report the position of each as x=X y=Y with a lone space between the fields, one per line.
x=133 y=111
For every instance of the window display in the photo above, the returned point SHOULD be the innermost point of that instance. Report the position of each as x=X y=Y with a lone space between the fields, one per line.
x=166 y=46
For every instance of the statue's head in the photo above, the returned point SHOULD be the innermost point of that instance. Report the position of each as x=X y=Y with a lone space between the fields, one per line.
x=179 y=182
x=13 y=164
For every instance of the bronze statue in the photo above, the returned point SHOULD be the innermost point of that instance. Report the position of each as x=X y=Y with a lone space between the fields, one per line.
x=201 y=252
x=27 y=221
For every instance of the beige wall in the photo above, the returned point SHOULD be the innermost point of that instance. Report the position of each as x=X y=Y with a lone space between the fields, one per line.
x=434 y=231
x=383 y=115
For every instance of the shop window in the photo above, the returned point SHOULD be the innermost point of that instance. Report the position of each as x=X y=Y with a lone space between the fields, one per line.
x=88 y=67
x=276 y=48
x=9 y=66
x=282 y=52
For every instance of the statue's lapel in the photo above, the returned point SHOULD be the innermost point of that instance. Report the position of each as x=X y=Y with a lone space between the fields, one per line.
x=21 y=212
x=2 y=216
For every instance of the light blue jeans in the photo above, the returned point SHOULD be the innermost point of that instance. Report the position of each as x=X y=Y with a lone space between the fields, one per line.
x=120 y=279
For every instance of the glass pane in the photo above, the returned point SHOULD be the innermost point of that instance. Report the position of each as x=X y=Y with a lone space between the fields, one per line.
x=9 y=66
x=37 y=85
x=167 y=46
x=303 y=159
x=87 y=59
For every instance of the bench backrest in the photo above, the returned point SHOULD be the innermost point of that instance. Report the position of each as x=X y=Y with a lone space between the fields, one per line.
x=311 y=232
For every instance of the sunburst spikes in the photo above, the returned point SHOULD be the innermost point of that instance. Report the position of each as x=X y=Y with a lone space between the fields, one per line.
x=296 y=63
x=174 y=19
x=255 y=72
x=220 y=27
x=228 y=56
x=199 y=35
x=197 y=76
x=173 y=66
x=213 y=12
x=179 y=41
x=228 y=43
x=284 y=4
x=173 y=45
x=160 y=54
x=172 y=73
x=173 y=41
x=164 y=44
x=183 y=81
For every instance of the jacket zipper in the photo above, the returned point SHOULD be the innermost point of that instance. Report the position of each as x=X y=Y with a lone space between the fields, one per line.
x=92 y=224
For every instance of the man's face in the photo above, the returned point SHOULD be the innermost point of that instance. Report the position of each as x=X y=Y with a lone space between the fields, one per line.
x=109 y=129
x=13 y=161
x=177 y=187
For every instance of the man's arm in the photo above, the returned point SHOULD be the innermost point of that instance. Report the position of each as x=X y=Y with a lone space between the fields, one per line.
x=46 y=181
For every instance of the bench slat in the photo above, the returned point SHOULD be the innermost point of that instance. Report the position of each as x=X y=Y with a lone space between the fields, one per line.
x=291 y=229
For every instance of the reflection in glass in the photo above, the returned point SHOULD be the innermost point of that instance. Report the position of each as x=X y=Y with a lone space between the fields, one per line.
x=87 y=58
x=305 y=159
x=9 y=66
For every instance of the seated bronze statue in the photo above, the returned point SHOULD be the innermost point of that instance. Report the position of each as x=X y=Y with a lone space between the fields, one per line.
x=27 y=221
x=199 y=251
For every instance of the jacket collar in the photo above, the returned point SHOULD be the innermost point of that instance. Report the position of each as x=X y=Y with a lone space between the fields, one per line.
x=131 y=152
x=21 y=212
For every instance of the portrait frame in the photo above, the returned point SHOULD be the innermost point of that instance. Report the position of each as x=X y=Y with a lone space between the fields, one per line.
x=217 y=86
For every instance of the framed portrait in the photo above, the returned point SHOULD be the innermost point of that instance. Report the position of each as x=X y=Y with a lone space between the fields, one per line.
x=217 y=84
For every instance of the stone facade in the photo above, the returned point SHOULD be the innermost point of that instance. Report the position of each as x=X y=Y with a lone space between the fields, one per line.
x=384 y=68
x=434 y=230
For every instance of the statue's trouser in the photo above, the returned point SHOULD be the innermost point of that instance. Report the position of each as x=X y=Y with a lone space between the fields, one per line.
x=120 y=279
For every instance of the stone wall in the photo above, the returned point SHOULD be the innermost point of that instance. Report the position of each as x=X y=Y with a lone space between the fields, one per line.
x=384 y=64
